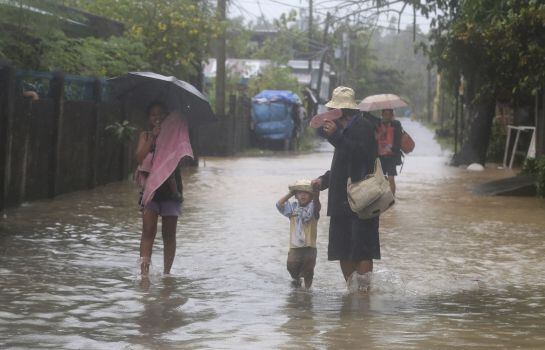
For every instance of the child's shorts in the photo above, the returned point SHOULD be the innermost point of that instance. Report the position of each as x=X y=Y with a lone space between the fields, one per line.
x=165 y=208
x=301 y=261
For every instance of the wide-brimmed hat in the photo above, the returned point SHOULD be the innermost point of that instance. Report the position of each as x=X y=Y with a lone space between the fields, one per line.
x=342 y=97
x=301 y=185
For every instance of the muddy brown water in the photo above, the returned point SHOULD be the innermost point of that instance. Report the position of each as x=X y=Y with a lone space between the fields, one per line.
x=457 y=270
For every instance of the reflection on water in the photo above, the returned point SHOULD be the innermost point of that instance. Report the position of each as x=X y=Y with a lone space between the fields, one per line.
x=458 y=271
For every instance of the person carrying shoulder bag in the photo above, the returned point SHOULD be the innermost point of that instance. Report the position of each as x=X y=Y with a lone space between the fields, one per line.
x=354 y=242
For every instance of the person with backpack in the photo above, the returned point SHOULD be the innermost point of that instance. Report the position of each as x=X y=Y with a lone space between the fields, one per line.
x=388 y=134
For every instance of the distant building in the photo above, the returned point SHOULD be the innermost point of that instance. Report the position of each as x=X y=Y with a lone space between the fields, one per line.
x=248 y=68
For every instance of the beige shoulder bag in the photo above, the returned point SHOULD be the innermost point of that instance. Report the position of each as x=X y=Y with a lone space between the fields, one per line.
x=371 y=196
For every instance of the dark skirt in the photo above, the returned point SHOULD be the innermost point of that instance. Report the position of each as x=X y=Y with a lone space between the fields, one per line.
x=353 y=239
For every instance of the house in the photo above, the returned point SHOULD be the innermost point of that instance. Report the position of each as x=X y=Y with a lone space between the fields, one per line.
x=248 y=68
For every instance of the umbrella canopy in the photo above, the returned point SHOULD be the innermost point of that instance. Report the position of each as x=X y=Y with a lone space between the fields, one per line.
x=383 y=101
x=141 y=88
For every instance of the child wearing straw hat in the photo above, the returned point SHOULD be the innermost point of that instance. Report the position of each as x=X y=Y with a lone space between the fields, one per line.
x=303 y=214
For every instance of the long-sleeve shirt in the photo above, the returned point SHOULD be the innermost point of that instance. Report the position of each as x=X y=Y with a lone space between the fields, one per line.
x=354 y=157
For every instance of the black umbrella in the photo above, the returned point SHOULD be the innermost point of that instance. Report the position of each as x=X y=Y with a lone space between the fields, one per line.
x=141 y=88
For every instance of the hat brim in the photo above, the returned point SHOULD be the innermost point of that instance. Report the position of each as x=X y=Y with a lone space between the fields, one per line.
x=333 y=104
x=303 y=188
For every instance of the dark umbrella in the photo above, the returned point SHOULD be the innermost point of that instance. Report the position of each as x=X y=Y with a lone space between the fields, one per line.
x=141 y=88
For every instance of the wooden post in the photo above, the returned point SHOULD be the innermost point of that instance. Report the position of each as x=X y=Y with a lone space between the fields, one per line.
x=24 y=118
x=461 y=93
x=442 y=111
x=123 y=152
x=56 y=87
x=462 y=120
x=94 y=138
x=322 y=58
x=429 y=117
x=220 y=63
x=540 y=129
x=232 y=111
x=7 y=99
x=456 y=122
x=310 y=14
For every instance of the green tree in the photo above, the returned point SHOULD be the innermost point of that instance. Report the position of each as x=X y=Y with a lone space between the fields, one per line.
x=26 y=35
x=238 y=39
x=33 y=37
x=289 y=42
x=274 y=77
x=396 y=51
x=176 y=34
x=498 y=47
x=360 y=68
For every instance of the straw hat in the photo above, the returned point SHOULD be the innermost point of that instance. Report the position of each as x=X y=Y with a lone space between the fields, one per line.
x=301 y=185
x=343 y=97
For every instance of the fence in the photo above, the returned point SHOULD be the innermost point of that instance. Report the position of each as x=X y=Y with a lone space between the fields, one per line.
x=231 y=134
x=58 y=143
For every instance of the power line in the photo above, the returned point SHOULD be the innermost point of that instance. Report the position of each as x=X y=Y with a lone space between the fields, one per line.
x=242 y=9
x=260 y=9
x=384 y=25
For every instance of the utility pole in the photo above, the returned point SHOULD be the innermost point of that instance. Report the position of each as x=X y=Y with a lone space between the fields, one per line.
x=345 y=57
x=324 y=53
x=540 y=128
x=457 y=93
x=220 y=64
x=462 y=118
x=309 y=37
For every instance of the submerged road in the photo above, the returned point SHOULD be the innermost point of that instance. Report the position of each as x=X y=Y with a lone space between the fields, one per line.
x=457 y=270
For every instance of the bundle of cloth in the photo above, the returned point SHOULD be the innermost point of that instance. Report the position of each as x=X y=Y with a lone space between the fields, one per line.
x=171 y=146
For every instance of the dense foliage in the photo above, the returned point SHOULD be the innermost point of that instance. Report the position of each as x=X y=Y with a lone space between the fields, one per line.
x=498 y=49
x=496 y=44
x=175 y=34
x=536 y=167
x=170 y=37
x=36 y=40
x=274 y=78
x=404 y=67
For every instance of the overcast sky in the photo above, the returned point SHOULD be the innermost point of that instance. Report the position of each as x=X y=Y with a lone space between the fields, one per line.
x=253 y=9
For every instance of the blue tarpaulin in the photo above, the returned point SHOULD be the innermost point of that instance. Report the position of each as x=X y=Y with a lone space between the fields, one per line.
x=272 y=113
x=277 y=96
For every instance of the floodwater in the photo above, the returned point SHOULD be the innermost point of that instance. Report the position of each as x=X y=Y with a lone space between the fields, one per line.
x=457 y=270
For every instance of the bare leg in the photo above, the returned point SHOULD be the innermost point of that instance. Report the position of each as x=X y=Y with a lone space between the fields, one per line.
x=362 y=276
x=347 y=267
x=308 y=267
x=169 y=241
x=364 y=266
x=308 y=277
x=392 y=181
x=149 y=230
x=294 y=266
